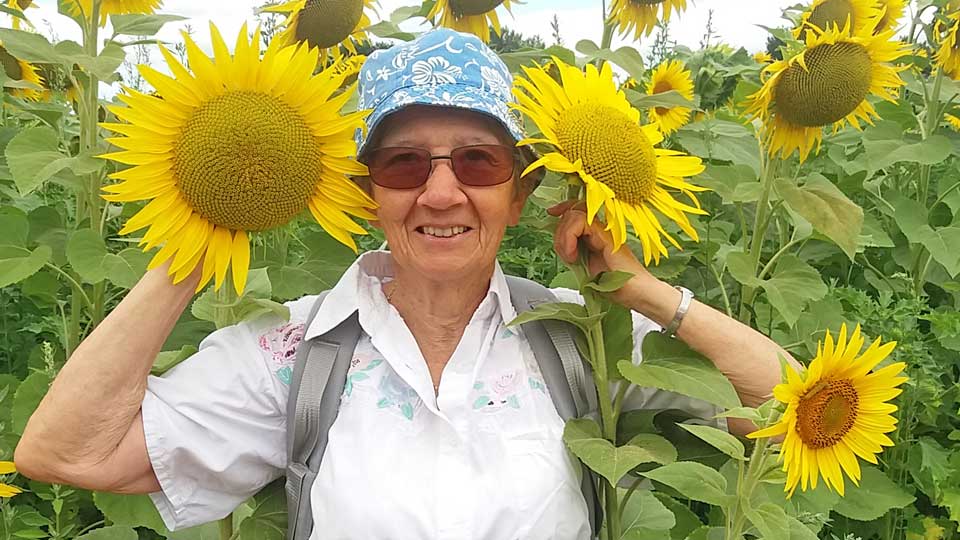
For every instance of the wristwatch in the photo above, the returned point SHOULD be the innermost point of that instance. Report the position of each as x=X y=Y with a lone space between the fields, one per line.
x=686 y=296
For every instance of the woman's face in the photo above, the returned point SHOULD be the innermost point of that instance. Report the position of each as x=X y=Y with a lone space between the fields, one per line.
x=415 y=221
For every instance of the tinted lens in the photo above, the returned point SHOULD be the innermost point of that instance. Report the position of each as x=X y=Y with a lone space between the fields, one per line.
x=483 y=164
x=399 y=168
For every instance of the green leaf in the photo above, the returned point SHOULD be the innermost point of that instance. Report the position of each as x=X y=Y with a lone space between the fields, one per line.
x=167 y=360
x=254 y=303
x=951 y=501
x=28 y=397
x=17 y=263
x=617 y=327
x=770 y=520
x=269 y=518
x=125 y=269
x=625 y=57
x=86 y=252
x=668 y=364
x=876 y=495
x=943 y=244
x=719 y=439
x=34 y=157
x=104 y=65
x=883 y=153
x=826 y=208
x=130 y=511
x=29 y=46
x=113 y=532
x=694 y=481
x=686 y=520
x=707 y=533
x=608 y=282
x=208 y=531
x=390 y=30
x=141 y=25
x=15 y=226
x=746 y=413
x=584 y=439
x=791 y=285
x=644 y=516
x=669 y=99
x=559 y=311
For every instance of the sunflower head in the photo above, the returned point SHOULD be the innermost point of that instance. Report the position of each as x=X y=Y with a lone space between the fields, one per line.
x=837 y=411
x=596 y=136
x=84 y=8
x=642 y=16
x=7 y=491
x=670 y=75
x=828 y=14
x=891 y=13
x=947 y=33
x=20 y=5
x=242 y=144
x=20 y=70
x=472 y=16
x=325 y=24
x=827 y=83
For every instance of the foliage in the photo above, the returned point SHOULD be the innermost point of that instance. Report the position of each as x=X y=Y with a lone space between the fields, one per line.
x=867 y=230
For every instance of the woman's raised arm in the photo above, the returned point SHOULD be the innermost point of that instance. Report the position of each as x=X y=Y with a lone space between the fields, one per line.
x=87 y=431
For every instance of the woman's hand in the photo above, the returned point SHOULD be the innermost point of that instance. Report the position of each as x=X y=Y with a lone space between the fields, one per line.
x=573 y=228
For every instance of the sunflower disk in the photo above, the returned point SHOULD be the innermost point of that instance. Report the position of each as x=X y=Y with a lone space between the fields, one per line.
x=241 y=144
x=596 y=134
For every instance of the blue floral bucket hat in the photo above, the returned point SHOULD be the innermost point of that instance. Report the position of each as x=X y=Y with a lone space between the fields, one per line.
x=441 y=68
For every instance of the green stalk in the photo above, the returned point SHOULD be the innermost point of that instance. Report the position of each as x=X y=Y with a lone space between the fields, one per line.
x=607 y=38
x=927 y=128
x=760 y=223
x=746 y=485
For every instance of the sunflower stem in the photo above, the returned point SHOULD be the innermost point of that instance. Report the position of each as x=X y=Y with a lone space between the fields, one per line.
x=760 y=224
x=594 y=304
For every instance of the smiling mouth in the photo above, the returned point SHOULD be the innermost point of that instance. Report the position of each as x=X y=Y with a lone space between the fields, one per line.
x=443 y=232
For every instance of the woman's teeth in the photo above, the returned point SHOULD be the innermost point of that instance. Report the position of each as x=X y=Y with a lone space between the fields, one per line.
x=444 y=232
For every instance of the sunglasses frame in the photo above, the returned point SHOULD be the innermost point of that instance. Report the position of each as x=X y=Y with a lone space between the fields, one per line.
x=514 y=151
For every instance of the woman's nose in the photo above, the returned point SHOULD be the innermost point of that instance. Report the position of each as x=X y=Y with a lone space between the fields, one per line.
x=442 y=189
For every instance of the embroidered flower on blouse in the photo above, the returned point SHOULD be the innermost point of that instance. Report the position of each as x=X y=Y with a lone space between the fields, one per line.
x=498 y=392
x=396 y=394
x=281 y=344
x=358 y=374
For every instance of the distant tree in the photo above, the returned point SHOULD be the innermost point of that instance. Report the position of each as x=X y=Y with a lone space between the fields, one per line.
x=709 y=32
x=511 y=41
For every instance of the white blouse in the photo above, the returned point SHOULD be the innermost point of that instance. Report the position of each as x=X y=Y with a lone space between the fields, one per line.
x=481 y=459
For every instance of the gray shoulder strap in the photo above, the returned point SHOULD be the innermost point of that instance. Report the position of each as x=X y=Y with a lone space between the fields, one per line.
x=319 y=376
x=564 y=372
x=566 y=378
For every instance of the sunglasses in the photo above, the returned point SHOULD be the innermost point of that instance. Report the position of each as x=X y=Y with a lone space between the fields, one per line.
x=478 y=165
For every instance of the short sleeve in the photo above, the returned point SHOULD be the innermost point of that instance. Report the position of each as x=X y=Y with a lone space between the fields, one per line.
x=653 y=398
x=215 y=425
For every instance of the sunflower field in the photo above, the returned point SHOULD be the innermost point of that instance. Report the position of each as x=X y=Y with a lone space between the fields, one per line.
x=810 y=190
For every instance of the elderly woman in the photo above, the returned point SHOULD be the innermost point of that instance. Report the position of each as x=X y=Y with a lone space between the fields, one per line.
x=445 y=429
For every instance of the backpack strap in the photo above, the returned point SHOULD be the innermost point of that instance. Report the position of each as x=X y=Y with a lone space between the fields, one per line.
x=564 y=372
x=319 y=376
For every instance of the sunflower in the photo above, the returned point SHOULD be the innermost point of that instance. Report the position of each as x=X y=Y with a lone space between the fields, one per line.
x=670 y=75
x=892 y=12
x=641 y=16
x=6 y=490
x=21 y=5
x=473 y=16
x=947 y=57
x=57 y=81
x=596 y=134
x=112 y=7
x=19 y=70
x=828 y=14
x=837 y=411
x=243 y=144
x=827 y=83
x=326 y=24
x=953 y=120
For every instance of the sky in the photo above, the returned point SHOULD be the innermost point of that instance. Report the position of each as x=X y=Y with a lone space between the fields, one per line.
x=579 y=19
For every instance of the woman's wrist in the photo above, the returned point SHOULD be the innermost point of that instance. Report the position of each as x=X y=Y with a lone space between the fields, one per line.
x=653 y=298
